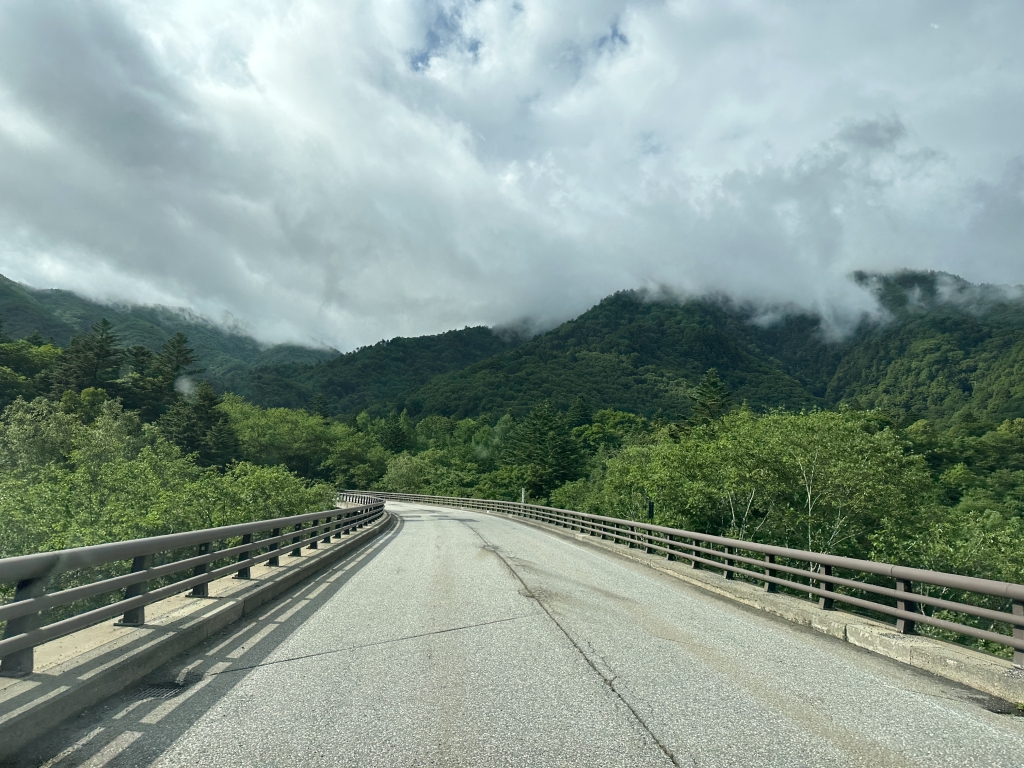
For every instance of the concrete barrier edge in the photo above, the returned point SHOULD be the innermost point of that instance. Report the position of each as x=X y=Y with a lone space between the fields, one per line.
x=39 y=719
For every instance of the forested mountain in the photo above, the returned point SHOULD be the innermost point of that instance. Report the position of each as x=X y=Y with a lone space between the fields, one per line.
x=59 y=315
x=945 y=349
x=902 y=441
x=377 y=378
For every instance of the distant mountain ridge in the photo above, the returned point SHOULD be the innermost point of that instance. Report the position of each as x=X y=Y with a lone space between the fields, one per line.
x=947 y=350
x=60 y=315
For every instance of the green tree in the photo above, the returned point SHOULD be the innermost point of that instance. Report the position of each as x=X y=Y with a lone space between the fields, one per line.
x=711 y=398
x=198 y=426
x=542 y=452
x=90 y=360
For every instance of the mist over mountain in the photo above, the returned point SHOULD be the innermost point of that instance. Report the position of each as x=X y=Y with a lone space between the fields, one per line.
x=59 y=315
x=938 y=347
x=329 y=177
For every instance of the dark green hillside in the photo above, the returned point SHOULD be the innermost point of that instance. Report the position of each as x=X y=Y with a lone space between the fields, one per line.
x=23 y=315
x=59 y=315
x=377 y=377
x=627 y=353
x=952 y=351
x=947 y=350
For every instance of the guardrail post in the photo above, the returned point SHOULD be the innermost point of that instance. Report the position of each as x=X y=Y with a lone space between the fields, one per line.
x=671 y=541
x=297 y=551
x=275 y=560
x=314 y=535
x=632 y=536
x=327 y=532
x=768 y=586
x=825 y=603
x=136 y=617
x=1018 y=632
x=905 y=626
x=337 y=527
x=728 y=561
x=21 y=663
x=647 y=543
x=244 y=573
x=693 y=563
x=201 y=590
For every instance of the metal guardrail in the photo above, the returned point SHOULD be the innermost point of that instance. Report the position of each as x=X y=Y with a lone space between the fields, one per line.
x=32 y=574
x=732 y=557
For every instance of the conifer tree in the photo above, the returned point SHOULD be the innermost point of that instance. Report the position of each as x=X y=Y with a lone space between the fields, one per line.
x=711 y=399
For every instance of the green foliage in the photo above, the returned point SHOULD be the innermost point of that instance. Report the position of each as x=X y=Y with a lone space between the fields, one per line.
x=198 y=426
x=541 y=453
x=903 y=441
x=65 y=483
x=711 y=398
x=379 y=378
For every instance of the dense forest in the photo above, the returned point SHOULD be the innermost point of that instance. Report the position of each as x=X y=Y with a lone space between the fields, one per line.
x=902 y=440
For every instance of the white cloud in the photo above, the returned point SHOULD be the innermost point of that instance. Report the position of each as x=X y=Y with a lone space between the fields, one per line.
x=343 y=175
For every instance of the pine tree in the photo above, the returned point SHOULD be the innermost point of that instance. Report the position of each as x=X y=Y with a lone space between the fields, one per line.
x=544 y=451
x=90 y=360
x=318 y=406
x=711 y=399
x=196 y=425
x=176 y=357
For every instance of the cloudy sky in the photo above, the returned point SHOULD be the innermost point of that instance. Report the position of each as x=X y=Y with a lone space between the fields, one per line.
x=345 y=172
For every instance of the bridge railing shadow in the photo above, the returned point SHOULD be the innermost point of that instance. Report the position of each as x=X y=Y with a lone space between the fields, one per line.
x=138 y=725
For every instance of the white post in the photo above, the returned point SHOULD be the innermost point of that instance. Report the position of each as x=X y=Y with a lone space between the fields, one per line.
x=524 y=495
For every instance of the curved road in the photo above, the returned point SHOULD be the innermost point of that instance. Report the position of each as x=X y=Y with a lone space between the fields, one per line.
x=463 y=639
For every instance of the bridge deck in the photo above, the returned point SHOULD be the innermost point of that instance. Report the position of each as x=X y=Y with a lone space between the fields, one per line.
x=465 y=639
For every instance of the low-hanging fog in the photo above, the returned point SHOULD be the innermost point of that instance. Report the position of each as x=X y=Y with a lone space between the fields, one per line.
x=345 y=172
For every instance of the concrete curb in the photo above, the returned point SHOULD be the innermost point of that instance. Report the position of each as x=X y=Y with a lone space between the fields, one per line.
x=35 y=704
x=991 y=675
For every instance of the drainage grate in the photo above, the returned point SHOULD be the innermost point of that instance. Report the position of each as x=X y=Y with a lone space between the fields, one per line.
x=158 y=692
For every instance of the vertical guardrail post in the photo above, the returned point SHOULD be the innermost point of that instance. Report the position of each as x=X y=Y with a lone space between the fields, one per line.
x=671 y=540
x=244 y=573
x=136 y=617
x=297 y=542
x=314 y=535
x=275 y=560
x=1018 y=632
x=201 y=590
x=728 y=561
x=21 y=663
x=769 y=571
x=337 y=527
x=693 y=563
x=905 y=626
x=647 y=542
x=825 y=603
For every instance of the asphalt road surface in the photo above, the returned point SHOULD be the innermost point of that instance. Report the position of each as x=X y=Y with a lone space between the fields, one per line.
x=463 y=639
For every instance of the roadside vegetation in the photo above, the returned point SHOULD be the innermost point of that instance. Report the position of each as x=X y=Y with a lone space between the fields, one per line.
x=101 y=441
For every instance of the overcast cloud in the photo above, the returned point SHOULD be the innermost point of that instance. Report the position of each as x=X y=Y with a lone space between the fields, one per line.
x=346 y=172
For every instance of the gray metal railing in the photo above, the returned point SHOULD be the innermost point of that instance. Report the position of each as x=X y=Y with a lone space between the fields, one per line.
x=816 y=578
x=24 y=615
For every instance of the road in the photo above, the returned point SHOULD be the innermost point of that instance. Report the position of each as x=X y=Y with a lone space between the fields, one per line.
x=463 y=639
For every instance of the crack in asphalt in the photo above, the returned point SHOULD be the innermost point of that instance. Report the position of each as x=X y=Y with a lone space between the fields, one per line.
x=368 y=645
x=608 y=681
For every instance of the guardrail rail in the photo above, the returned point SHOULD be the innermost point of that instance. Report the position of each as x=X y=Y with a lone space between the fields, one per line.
x=245 y=544
x=895 y=591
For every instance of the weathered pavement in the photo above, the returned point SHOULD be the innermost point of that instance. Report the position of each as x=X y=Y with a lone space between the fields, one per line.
x=462 y=639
